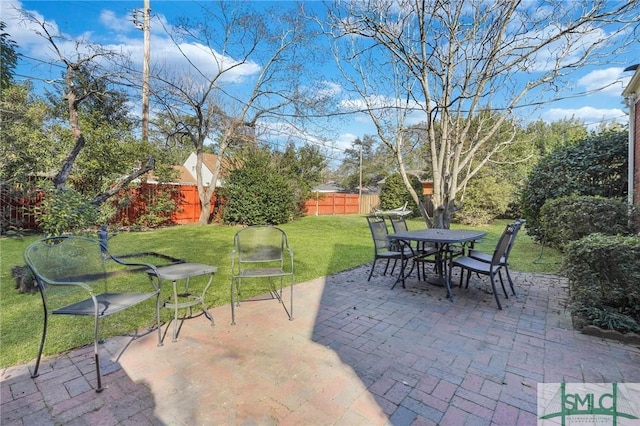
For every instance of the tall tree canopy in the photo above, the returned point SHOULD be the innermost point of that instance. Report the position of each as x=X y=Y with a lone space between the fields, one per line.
x=461 y=68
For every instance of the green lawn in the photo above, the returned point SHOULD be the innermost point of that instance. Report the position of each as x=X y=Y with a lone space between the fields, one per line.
x=322 y=245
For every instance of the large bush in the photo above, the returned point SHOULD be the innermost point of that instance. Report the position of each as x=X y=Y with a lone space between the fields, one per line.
x=257 y=193
x=604 y=277
x=66 y=211
x=485 y=199
x=567 y=219
x=595 y=166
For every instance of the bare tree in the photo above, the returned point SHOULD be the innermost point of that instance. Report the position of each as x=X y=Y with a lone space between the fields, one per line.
x=461 y=68
x=208 y=106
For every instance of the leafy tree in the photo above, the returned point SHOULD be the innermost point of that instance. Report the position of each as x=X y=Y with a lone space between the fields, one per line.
x=8 y=57
x=595 y=166
x=257 y=193
x=486 y=198
x=86 y=82
x=28 y=147
x=253 y=77
x=445 y=63
x=547 y=137
x=376 y=163
x=303 y=167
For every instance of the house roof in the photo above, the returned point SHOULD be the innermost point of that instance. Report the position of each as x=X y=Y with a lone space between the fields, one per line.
x=184 y=175
x=328 y=187
x=634 y=84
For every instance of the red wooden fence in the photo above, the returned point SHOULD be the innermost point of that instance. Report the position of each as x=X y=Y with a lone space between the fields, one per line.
x=332 y=204
x=136 y=203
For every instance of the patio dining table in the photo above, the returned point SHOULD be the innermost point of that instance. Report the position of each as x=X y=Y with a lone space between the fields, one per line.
x=442 y=239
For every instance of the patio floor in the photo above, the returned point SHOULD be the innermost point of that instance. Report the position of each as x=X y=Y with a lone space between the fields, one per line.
x=357 y=353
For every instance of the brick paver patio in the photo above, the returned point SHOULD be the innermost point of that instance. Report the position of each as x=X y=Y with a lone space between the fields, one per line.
x=357 y=353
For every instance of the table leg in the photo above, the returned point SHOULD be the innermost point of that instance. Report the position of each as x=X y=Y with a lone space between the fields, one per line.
x=443 y=268
x=175 y=311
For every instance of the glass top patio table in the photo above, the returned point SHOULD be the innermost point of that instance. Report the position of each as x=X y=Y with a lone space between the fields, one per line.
x=442 y=238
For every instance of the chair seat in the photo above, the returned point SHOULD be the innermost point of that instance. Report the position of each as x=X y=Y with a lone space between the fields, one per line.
x=482 y=256
x=475 y=265
x=108 y=303
x=262 y=272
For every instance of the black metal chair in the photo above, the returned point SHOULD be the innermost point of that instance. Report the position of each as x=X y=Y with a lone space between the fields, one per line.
x=78 y=276
x=424 y=253
x=382 y=248
x=261 y=252
x=486 y=257
x=492 y=268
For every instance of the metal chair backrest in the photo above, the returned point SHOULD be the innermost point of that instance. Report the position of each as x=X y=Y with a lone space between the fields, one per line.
x=506 y=239
x=260 y=244
x=379 y=232
x=64 y=260
x=398 y=223
x=516 y=225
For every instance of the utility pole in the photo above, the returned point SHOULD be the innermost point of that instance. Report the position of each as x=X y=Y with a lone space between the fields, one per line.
x=360 y=183
x=145 y=27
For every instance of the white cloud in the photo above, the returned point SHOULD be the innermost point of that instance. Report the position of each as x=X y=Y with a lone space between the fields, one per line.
x=587 y=114
x=113 y=22
x=608 y=81
x=163 y=50
x=345 y=141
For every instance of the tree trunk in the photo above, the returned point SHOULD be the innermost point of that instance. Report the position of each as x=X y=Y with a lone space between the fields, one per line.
x=100 y=198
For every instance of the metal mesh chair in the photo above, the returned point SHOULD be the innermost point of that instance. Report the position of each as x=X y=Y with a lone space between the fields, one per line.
x=382 y=249
x=486 y=257
x=261 y=252
x=78 y=276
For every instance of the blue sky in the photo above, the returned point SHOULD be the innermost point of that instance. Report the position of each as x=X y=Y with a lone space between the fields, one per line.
x=110 y=23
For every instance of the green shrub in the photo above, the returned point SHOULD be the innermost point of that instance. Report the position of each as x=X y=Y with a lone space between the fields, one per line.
x=257 y=194
x=595 y=166
x=604 y=280
x=485 y=199
x=66 y=211
x=567 y=219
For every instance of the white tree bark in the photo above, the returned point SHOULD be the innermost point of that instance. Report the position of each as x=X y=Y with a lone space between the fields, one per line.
x=462 y=67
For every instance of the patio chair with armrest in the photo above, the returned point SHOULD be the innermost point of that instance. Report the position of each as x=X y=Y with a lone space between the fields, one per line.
x=78 y=276
x=261 y=252
x=382 y=249
x=424 y=253
x=486 y=257
x=491 y=269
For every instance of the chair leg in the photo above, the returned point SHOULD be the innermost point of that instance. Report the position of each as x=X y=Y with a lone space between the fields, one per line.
x=393 y=268
x=468 y=279
x=504 y=290
x=495 y=293
x=158 y=319
x=291 y=301
x=506 y=268
x=95 y=351
x=43 y=338
x=233 y=310
x=372 y=268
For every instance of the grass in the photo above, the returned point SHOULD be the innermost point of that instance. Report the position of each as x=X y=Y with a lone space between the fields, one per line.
x=322 y=246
